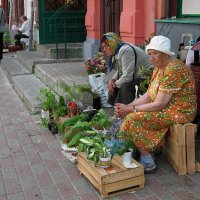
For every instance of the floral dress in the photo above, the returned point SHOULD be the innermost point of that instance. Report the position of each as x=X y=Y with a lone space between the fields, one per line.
x=149 y=128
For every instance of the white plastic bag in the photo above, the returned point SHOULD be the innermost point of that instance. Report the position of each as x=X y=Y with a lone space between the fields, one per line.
x=189 y=57
x=99 y=84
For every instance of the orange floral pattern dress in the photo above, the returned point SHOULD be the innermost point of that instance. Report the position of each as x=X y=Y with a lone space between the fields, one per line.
x=149 y=128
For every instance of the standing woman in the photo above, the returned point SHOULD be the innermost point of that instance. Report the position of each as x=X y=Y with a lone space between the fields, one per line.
x=2 y=29
x=170 y=99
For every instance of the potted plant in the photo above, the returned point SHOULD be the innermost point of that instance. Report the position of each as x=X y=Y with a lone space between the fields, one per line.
x=145 y=74
x=53 y=108
x=101 y=120
x=126 y=148
x=95 y=149
x=75 y=93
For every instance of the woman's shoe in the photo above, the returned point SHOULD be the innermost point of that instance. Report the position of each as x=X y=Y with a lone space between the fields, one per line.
x=150 y=168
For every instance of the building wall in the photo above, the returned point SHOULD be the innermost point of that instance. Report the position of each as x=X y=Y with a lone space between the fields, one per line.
x=136 y=22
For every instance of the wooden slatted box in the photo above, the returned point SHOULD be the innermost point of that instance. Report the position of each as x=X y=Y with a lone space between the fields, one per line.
x=114 y=180
x=179 y=148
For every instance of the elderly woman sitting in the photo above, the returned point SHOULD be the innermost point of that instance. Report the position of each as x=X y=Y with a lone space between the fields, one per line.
x=170 y=99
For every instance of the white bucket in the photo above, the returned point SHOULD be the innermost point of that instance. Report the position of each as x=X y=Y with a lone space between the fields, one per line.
x=104 y=162
x=127 y=158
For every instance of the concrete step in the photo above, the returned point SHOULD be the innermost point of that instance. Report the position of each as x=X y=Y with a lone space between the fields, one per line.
x=13 y=67
x=73 y=50
x=70 y=73
x=30 y=58
x=28 y=88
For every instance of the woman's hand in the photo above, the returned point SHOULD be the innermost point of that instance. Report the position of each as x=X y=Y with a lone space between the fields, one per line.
x=121 y=110
x=111 y=86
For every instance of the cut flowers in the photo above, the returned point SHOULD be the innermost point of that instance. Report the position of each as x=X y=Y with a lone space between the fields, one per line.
x=97 y=65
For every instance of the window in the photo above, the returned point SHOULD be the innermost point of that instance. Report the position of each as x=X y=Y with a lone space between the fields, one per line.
x=188 y=8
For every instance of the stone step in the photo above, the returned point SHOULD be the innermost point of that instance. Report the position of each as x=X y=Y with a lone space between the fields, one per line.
x=28 y=88
x=70 y=73
x=31 y=58
x=73 y=50
x=13 y=67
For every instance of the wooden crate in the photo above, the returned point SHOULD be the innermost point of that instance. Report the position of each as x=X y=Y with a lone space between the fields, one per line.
x=179 y=148
x=114 y=180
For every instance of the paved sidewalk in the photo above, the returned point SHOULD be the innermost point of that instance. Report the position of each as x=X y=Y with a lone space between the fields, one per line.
x=33 y=168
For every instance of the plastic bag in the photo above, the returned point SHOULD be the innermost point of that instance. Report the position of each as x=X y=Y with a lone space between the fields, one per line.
x=99 y=84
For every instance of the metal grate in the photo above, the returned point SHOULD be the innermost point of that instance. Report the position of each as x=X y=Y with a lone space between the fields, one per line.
x=53 y=5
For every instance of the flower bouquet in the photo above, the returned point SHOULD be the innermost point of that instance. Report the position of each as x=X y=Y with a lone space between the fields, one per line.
x=72 y=109
x=97 y=65
x=97 y=70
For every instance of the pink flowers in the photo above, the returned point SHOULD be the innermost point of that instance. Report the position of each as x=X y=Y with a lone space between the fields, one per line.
x=97 y=65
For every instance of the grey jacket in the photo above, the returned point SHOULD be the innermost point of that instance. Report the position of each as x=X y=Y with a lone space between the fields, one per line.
x=2 y=21
x=125 y=63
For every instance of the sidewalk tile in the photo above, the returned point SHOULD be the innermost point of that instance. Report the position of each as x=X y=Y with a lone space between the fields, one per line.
x=34 y=157
x=50 y=193
x=52 y=165
x=18 y=196
x=33 y=194
x=24 y=170
x=73 y=173
x=155 y=187
x=25 y=140
x=3 y=197
x=47 y=155
x=128 y=196
x=9 y=174
x=38 y=168
x=29 y=148
x=2 y=189
x=28 y=182
x=13 y=186
x=44 y=180
x=3 y=144
x=4 y=153
x=184 y=195
x=92 y=196
x=20 y=160
x=66 y=190
x=59 y=176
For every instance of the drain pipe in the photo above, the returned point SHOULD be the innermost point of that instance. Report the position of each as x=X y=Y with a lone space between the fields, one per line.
x=31 y=27
x=10 y=15
x=167 y=9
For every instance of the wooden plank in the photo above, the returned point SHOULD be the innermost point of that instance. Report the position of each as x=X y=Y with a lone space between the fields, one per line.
x=119 y=160
x=122 y=174
x=105 y=195
x=90 y=176
x=101 y=171
x=176 y=155
x=190 y=147
x=197 y=166
x=90 y=168
x=124 y=184
x=174 y=131
x=180 y=131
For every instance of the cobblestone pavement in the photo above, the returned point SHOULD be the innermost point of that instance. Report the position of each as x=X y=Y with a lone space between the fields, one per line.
x=33 y=168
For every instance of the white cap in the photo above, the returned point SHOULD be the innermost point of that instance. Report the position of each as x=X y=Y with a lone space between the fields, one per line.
x=160 y=43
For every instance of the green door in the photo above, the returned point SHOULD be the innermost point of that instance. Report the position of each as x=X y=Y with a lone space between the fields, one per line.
x=61 y=23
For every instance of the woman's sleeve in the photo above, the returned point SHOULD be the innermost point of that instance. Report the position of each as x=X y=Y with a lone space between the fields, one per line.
x=173 y=80
x=127 y=59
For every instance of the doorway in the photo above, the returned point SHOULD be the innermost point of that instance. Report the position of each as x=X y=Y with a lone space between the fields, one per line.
x=110 y=15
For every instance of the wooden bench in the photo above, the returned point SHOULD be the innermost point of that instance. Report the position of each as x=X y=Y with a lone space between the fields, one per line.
x=179 y=148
